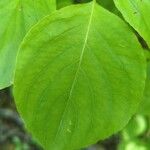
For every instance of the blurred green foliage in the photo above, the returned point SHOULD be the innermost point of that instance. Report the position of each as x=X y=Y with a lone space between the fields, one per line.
x=136 y=135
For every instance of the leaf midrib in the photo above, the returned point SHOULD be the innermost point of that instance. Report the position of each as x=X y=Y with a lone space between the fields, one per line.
x=78 y=68
x=83 y=50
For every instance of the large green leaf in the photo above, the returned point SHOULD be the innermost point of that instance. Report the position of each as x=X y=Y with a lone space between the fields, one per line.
x=16 y=18
x=137 y=13
x=80 y=77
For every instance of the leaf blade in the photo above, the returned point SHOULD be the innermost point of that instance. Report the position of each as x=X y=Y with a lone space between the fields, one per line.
x=95 y=88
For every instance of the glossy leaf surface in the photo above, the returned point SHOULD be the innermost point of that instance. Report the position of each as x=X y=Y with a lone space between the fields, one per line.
x=137 y=13
x=80 y=77
x=16 y=18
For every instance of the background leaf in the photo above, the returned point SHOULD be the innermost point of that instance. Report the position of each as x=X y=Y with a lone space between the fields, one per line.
x=137 y=13
x=135 y=136
x=81 y=72
x=134 y=144
x=17 y=17
x=144 y=107
x=136 y=127
x=63 y=3
x=109 y=4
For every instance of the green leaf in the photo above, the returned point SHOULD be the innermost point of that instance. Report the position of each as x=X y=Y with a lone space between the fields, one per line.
x=80 y=77
x=17 y=17
x=137 y=13
x=144 y=107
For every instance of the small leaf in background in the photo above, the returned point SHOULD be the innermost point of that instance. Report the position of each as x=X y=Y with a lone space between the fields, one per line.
x=63 y=3
x=134 y=144
x=135 y=135
x=136 y=127
x=109 y=4
x=16 y=18
x=137 y=13
x=80 y=77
